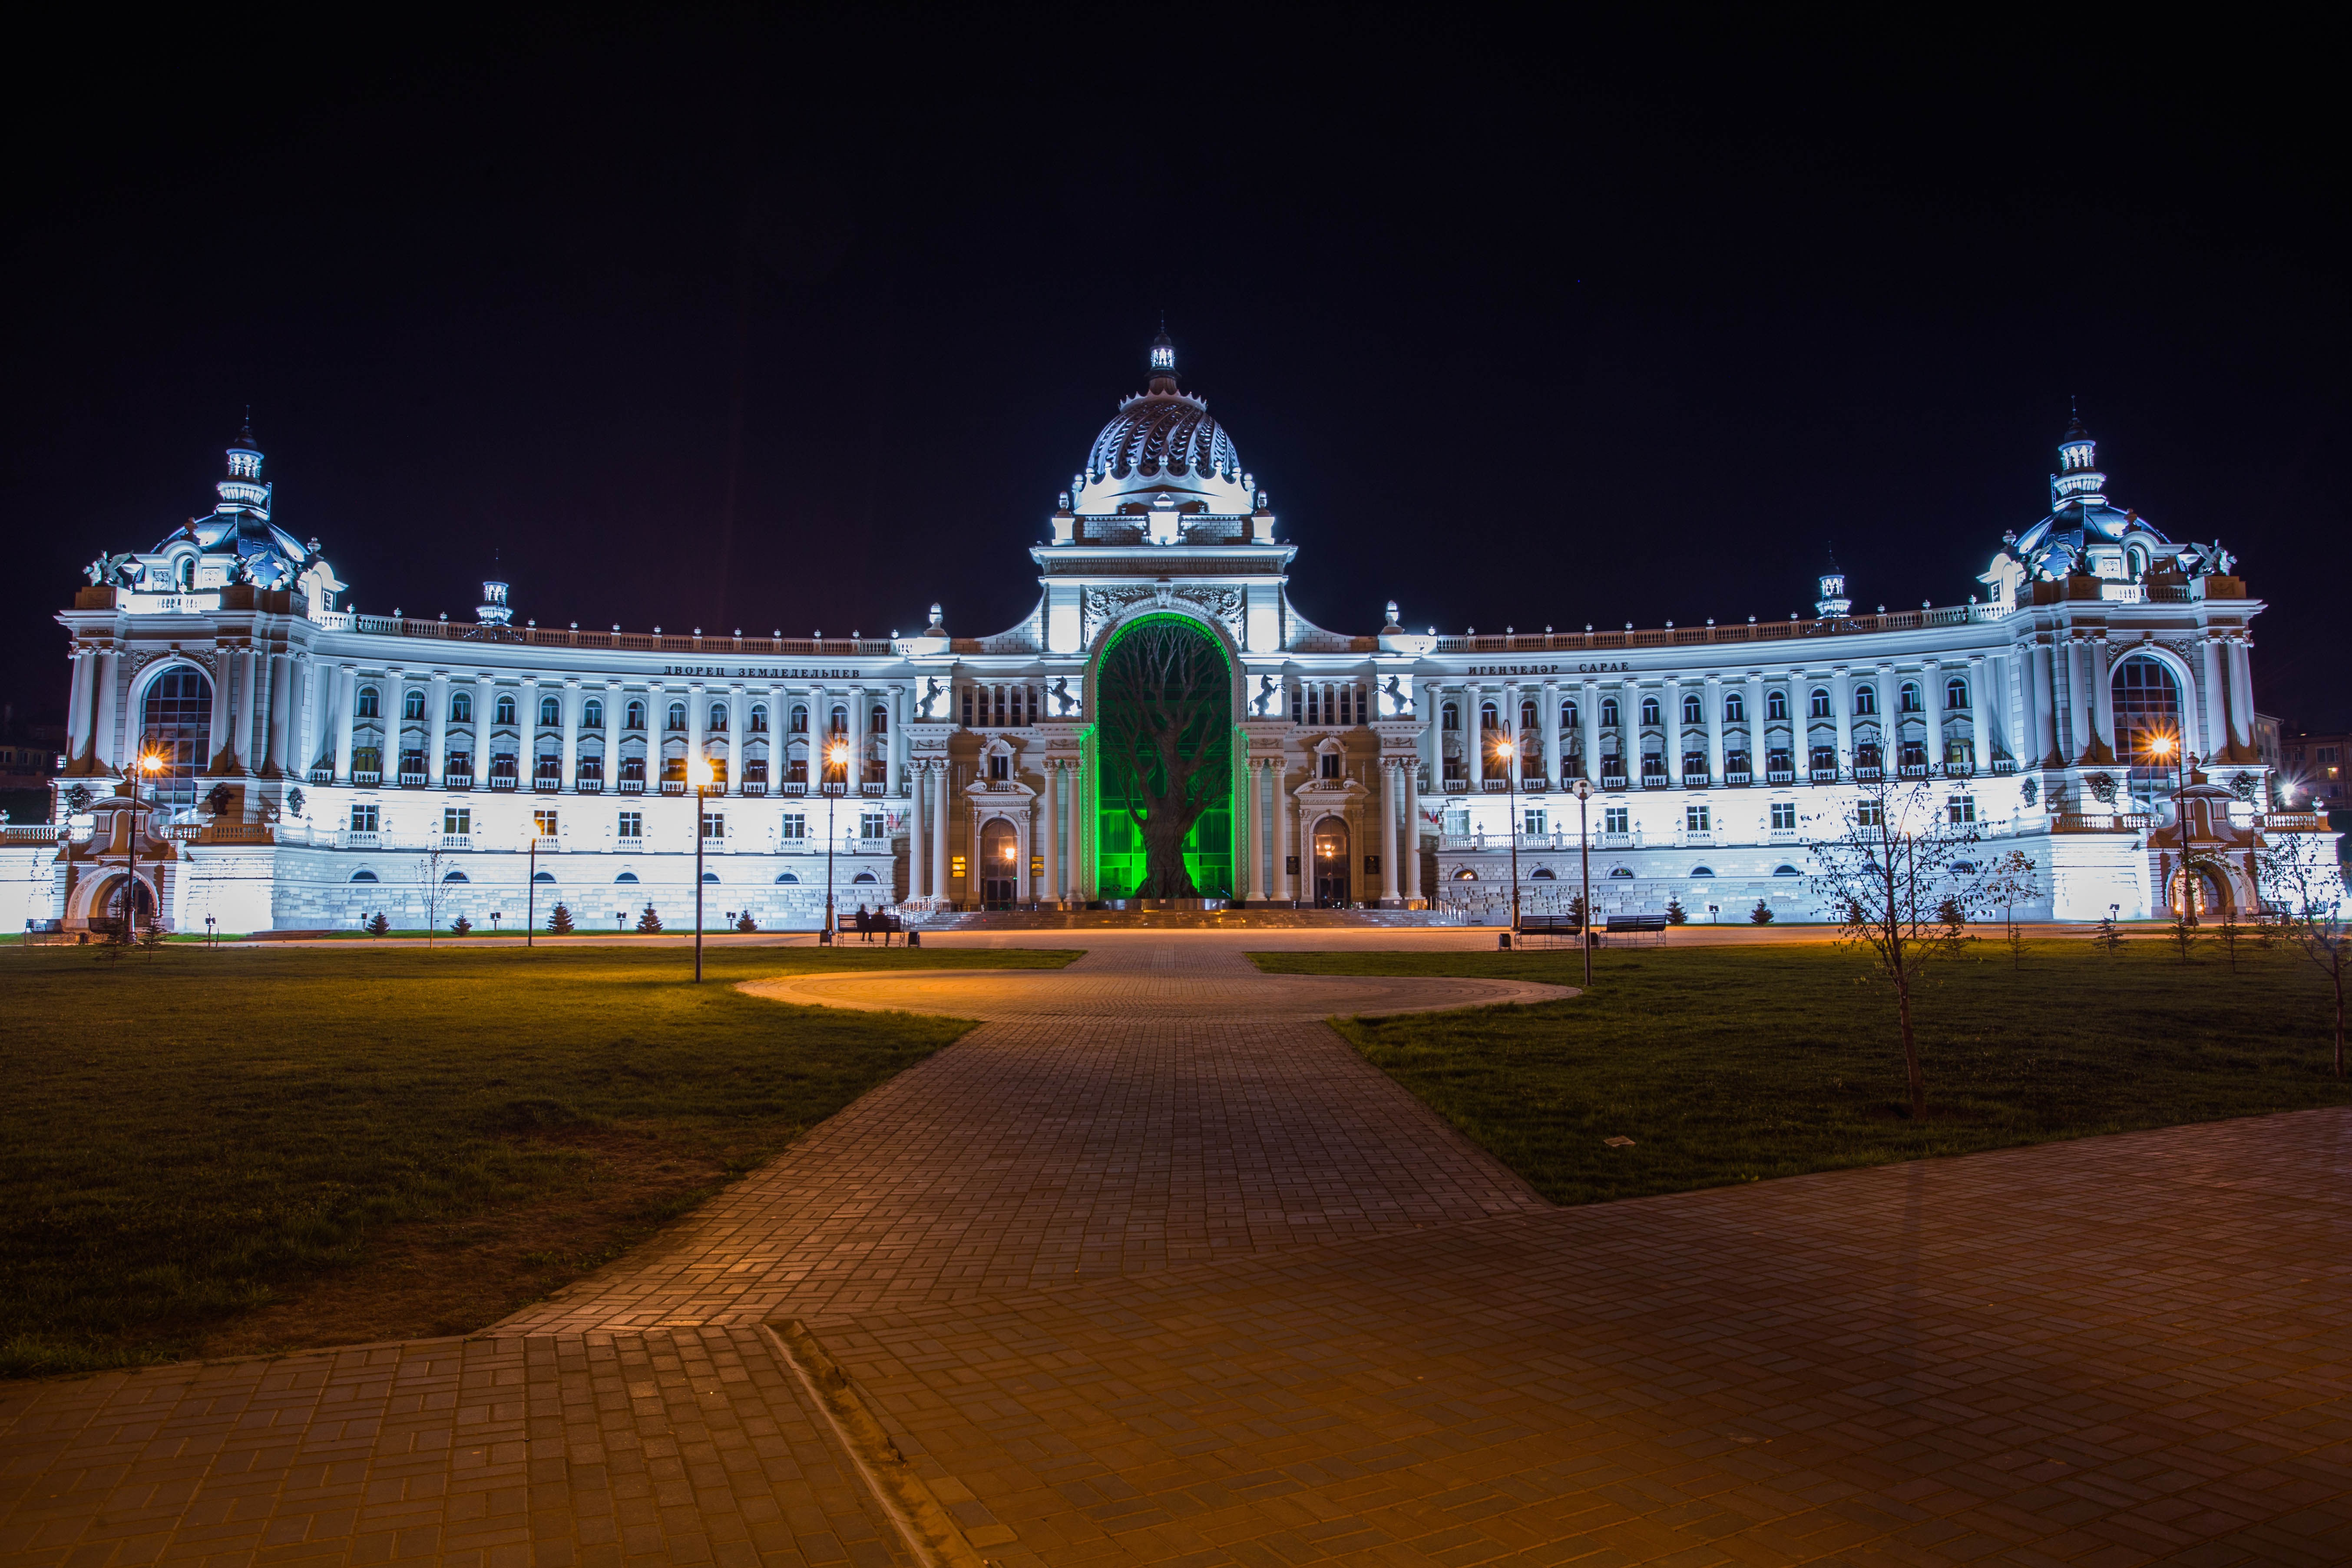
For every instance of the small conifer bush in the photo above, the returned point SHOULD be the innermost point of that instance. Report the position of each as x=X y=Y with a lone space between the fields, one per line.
x=559 y=921
x=649 y=922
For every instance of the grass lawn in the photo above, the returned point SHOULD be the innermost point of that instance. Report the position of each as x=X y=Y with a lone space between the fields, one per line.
x=1735 y=1064
x=255 y=1149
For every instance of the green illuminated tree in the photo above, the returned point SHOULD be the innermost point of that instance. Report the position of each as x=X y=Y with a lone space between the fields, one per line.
x=1166 y=713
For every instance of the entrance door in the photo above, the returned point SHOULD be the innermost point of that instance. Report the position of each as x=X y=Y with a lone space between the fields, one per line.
x=1331 y=884
x=1000 y=850
x=118 y=899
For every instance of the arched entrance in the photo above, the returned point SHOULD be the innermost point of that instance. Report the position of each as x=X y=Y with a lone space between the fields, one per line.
x=111 y=901
x=1331 y=881
x=999 y=864
x=1162 y=747
x=2201 y=889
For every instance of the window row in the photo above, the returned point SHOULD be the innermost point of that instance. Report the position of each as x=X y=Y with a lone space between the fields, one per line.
x=368 y=704
x=1735 y=707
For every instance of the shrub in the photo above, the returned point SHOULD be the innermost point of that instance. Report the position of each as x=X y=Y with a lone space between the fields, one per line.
x=461 y=925
x=649 y=922
x=1761 y=914
x=745 y=923
x=379 y=925
x=1675 y=914
x=559 y=921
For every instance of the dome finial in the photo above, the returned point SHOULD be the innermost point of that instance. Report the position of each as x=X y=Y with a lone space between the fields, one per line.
x=1163 y=360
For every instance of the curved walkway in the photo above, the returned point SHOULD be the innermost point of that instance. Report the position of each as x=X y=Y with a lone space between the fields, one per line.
x=1149 y=1268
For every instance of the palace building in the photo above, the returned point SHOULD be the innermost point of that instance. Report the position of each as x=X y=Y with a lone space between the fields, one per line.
x=318 y=764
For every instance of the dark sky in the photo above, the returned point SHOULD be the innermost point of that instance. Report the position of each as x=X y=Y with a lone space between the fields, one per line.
x=1518 y=327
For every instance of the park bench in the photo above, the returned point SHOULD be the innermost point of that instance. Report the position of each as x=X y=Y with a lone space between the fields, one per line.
x=1548 y=925
x=1638 y=925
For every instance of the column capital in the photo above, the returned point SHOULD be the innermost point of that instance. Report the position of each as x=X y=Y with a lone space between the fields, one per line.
x=1714 y=679
x=571 y=682
x=441 y=675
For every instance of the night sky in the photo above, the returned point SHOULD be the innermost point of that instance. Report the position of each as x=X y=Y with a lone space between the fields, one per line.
x=1518 y=327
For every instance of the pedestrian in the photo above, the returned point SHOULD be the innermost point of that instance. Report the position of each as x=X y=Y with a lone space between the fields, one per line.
x=864 y=924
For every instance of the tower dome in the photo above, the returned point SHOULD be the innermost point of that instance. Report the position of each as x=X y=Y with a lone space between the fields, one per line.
x=1163 y=443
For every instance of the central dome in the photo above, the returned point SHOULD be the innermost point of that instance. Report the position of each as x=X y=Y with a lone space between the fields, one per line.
x=1163 y=443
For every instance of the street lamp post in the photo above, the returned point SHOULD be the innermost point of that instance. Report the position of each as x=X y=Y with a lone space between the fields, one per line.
x=836 y=757
x=701 y=768
x=530 y=889
x=1507 y=753
x=148 y=763
x=2165 y=746
x=1584 y=846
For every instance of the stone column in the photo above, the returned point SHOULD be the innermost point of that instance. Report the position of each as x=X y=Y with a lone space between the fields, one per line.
x=1389 y=894
x=280 y=714
x=2217 y=732
x=1551 y=732
x=739 y=711
x=1670 y=708
x=2103 y=698
x=1759 y=759
x=616 y=705
x=2078 y=700
x=1050 y=822
x=1931 y=697
x=1713 y=698
x=1979 y=714
x=855 y=774
x=917 y=868
x=218 y=760
x=347 y=682
x=1473 y=741
x=943 y=773
x=2242 y=696
x=696 y=728
x=893 y=699
x=1286 y=885
x=1591 y=705
x=571 y=761
x=1409 y=876
x=1842 y=698
x=106 y=727
x=1511 y=730
x=436 y=754
x=80 y=679
x=486 y=697
x=2041 y=706
x=240 y=739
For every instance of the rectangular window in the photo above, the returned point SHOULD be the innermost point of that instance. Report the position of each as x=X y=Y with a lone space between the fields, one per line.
x=364 y=818
x=1962 y=808
x=544 y=822
x=1532 y=820
x=1457 y=823
x=1616 y=819
x=967 y=707
x=796 y=826
x=1695 y=818
x=633 y=824
x=873 y=824
x=456 y=821
x=714 y=824
x=1784 y=815
x=1869 y=813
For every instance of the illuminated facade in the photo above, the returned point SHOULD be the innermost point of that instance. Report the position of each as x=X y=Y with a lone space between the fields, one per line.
x=322 y=764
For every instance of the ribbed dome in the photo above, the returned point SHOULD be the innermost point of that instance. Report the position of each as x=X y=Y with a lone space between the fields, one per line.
x=1163 y=433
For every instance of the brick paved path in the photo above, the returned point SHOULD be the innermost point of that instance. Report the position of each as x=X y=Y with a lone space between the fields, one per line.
x=1148 y=1289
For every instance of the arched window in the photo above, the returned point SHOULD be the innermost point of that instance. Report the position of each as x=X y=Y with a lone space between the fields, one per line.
x=759 y=719
x=461 y=707
x=1450 y=717
x=1694 y=710
x=1865 y=700
x=1956 y=695
x=1776 y=705
x=176 y=723
x=2147 y=706
x=1786 y=871
x=635 y=718
x=711 y=876
x=1568 y=716
x=676 y=718
x=861 y=877
x=1735 y=707
x=550 y=711
x=1527 y=720
x=1910 y=697
x=505 y=712
x=1649 y=711
x=799 y=720
x=877 y=722
x=591 y=715
x=456 y=877
x=363 y=875
x=1822 y=702
x=366 y=706
x=1702 y=870
x=1487 y=718
x=840 y=720
x=625 y=878
x=1609 y=713
x=544 y=876
x=1465 y=875
x=413 y=705
x=787 y=879
x=1541 y=874
x=1620 y=872
x=719 y=718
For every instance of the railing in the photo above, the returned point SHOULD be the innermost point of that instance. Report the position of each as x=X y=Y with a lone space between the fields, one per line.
x=456 y=780
x=635 y=642
x=1699 y=836
x=632 y=786
x=673 y=786
x=2084 y=822
x=594 y=785
x=882 y=788
x=1613 y=781
x=546 y=783
x=1781 y=776
x=1736 y=778
x=2004 y=765
x=1753 y=632
x=359 y=838
x=1864 y=775
x=364 y=780
x=30 y=833
x=1457 y=786
x=792 y=786
x=1783 y=836
x=239 y=833
x=322 y=776
x=456 y=841
x=504 y=781
x=1656 y=781
x=1494 y=786
x=2294 y=822
x=1620 y=841
x=1824 y=775
x=753 y=786
x=412 y=781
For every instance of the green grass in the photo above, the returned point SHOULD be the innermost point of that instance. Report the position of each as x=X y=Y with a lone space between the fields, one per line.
x=186 y=1135
x=1735 y=1064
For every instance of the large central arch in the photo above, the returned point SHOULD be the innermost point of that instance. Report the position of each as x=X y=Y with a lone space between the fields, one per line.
x=1164 y=761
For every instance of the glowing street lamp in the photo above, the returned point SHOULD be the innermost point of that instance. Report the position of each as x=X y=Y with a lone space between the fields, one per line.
x=531 y=896
x=1507 y=746
x=699 y=770
x=150 y=763
x=836 y=761
x=1584 y=846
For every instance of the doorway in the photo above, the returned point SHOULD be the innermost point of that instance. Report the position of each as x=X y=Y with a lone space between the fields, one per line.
x=1331 y=881
x=999 y=864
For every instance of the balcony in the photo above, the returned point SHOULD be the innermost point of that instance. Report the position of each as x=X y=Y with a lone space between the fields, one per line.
x=1866 y=775
x=632 y=786
x=1537 y=784
x=2112 y=822
x=1783 y=836
x=672 y=787
x=589 y=784
x=366 y=781
x=754 y=786
x=1910 y=770
x=1824 y=775
x=1613 y=781
x=1494 y=786
x=1457 y=786
x=1699 y=837
x=322 y=776
x=792 y=786
x=2004 y=765
x=1619 y=840
x=1736 y=778
x=1695 y=778
x=876 y=789
x=2294 y=821
x=1781 y=776
x=456 y=780
x=456 y=841
x=1656 y=781
x=546 y=783
x=504 y=781
x=358 y=838
x=412 y=781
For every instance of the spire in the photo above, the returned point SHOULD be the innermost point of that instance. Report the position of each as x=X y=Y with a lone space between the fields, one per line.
x=243 y=489
x=1163 y=362
x=1833 y=600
